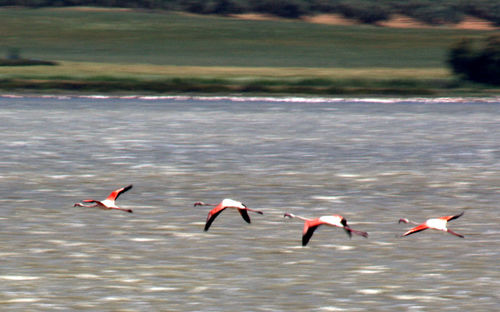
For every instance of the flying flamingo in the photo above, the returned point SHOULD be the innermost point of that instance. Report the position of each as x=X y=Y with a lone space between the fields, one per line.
x=109 y=202
x=311 y=225
x=226 y=203
x=435 y=223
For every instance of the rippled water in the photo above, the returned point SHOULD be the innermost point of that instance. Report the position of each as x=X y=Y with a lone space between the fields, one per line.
x=372 y=161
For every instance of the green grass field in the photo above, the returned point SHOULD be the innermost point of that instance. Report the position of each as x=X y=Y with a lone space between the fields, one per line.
x=119 y=46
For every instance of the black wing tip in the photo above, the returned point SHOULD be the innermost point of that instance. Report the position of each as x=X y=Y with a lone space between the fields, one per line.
x=305 y=241
x=211 y=218
x=244 y=215
x=457 y=216
x=307 y=236
x=208 y=224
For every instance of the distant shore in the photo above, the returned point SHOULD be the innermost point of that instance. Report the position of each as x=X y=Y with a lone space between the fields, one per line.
x=116 y=51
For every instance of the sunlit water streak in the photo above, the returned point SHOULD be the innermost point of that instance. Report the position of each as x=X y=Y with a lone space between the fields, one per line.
x=370 y=160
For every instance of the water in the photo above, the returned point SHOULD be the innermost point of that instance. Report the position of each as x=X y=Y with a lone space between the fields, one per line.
x=372 y=161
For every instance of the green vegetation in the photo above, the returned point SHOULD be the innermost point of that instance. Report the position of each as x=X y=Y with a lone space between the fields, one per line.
x=137 y=78
x=130 y=37
x=477 y=63
x=134 y=51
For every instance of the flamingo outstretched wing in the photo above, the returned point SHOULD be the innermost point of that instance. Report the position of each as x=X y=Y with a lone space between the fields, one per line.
x=244 y=214
x=449 y=218
x=308 y=234
x=416 y=229
x=309 y=227
x=116 y=193
x=212 y=215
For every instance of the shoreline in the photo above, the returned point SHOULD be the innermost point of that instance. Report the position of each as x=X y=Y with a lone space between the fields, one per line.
x=258 y=98
x=313 y=86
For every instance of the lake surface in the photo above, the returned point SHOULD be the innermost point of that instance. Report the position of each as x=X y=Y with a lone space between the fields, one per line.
x=372 y=161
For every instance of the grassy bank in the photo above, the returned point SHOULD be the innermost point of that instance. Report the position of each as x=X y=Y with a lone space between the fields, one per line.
x=157 y=79
x=144 y=78
x=127 y=51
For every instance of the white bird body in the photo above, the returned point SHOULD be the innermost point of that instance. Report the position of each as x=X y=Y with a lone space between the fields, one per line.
x=334 y=220
x=230 y=203
x=437 y=224
x=226 y=203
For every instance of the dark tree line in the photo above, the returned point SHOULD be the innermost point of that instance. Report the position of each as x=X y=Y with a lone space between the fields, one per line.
x=368 y=11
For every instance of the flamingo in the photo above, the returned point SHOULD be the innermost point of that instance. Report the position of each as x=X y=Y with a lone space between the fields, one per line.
x=109 y=202
x=226 y=203
x=435 y=223
x=311 y=225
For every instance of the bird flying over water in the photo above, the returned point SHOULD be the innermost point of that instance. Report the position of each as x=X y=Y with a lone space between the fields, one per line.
x=226 y=203
x=109 y=202
x=310 y=225
x=439 y=224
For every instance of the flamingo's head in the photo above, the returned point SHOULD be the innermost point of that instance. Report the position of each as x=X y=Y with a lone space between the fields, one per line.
x=403 y=220
x=199 y=203
x=288 y=215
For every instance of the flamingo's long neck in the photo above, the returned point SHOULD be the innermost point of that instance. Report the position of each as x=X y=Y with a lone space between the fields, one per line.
x=82 y=205
x=204 y=204
x=291 y=215
x=303 y=219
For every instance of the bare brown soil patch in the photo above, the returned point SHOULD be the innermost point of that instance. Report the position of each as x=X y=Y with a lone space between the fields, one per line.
x=330 y=19
x=475 y=23
x=402 y=21
x=257 y=17
x=396 y=21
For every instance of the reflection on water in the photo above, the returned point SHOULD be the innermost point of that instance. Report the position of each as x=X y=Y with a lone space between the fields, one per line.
x=372 y=161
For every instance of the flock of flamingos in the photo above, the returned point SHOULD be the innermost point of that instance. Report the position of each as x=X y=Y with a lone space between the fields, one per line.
x=310 y=225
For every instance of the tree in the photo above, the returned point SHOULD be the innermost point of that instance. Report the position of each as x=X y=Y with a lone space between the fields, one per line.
x=282 y=8
x=477 y=62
